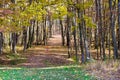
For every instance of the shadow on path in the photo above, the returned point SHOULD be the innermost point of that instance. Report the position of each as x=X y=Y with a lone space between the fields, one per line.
x=47 y=56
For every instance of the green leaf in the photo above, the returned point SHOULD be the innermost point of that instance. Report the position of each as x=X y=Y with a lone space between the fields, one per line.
x=89 y=22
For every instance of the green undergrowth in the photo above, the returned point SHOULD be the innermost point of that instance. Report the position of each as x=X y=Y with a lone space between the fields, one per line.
x=50 y=73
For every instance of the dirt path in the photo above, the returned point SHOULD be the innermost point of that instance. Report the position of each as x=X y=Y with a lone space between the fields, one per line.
x=45 y=56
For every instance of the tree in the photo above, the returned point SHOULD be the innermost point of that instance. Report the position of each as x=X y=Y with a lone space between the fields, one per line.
x=112 y=24
x=119 y=24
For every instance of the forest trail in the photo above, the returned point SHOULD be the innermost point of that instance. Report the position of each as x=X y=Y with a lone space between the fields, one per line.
x=53 y=54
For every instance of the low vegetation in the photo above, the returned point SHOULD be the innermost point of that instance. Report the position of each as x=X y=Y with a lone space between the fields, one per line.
x=104 y=70
x=55 y=73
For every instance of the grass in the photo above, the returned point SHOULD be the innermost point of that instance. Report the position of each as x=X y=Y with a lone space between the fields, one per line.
x=54 y=73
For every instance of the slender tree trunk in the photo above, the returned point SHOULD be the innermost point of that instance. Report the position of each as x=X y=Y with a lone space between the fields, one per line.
x=29 y=38
x=41 y=33
x=44 y=32
x=104 y=30
x=85 y=37
x=96 y=30
x=101 y=31
x=50 y=26
x=112 y=25
x=25 y=39
x=33 y=32
x=81 y=38
x=29 y=44
x=68 y=36
x=100 y=27
x=14 y=42
x=37 y=34
x=75 y=40
x=13 y=37
x=86 y=46
x=75 y=45
x=109 y=41
x=119 y=24
x=1 y=42
x=62 y=33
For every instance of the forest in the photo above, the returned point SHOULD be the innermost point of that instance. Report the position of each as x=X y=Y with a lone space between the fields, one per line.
x=60 y=39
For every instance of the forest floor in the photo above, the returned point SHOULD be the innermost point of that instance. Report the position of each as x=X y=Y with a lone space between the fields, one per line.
x=42 y=63
x=55 y=55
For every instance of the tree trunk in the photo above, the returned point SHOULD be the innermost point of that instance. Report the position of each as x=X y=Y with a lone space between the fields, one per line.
x=96 y=30
x=14 y=42
x=1 y=42
x=37 y=34
x=44 y=32
x=25 y=39
x=81 y=39
x=75 y=40
x=68 y=36
x=33 y=32
x=62 y=33
x=119 y=24
x=112 y=25
x=29 y=38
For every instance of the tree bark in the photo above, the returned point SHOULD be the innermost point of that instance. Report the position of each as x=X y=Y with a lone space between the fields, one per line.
x=14 y=42
x=25 y=39
x=62 y=33
x=112 y=25
x=1 y=42
x=119 y=24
